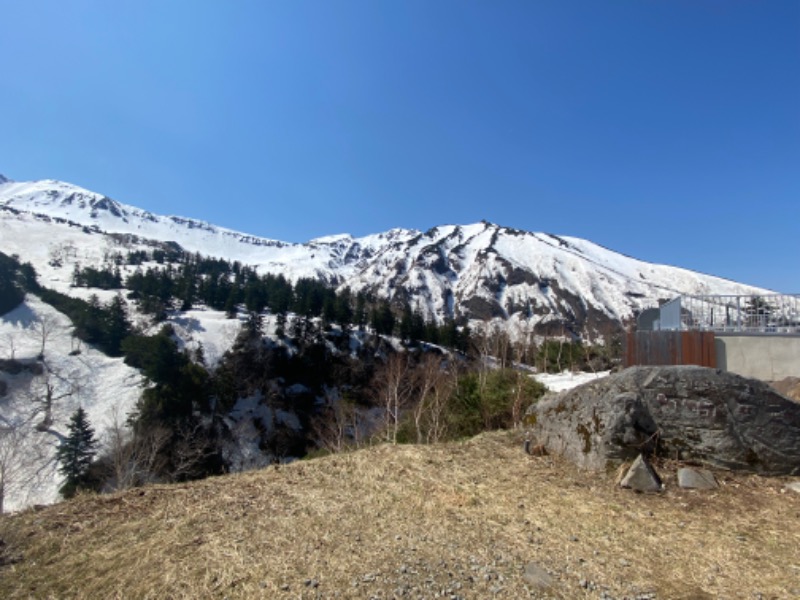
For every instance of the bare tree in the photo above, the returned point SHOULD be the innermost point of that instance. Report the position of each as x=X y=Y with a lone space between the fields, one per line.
x=501 y=346
x=560 y=347
x=338 y=426
x=10 y=450
x=394 y=387
x=134 y=458
x=436 y=384
x=10 y=344
x=427 y=376
x=519 y=386
x=140 y=456
x=43 y=328
x=48 y=389
x=191 y=448
x=22 y=460
x=75 y=344
x=587 y=353
x=525 y=348
x=484 y=345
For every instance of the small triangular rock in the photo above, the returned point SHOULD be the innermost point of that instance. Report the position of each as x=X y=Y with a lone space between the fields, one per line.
x=696 y=479
x=642 y=477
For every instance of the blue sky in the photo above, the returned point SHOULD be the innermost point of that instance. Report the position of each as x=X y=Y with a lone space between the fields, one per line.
x=667 y=130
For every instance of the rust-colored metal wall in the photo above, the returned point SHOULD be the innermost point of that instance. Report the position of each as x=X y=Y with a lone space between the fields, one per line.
x=670 y=348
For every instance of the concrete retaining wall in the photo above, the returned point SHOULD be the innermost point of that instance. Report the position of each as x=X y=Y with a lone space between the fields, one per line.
x=769 y=358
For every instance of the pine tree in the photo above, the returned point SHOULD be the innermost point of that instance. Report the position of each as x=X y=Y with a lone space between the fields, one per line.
x=116 y=325
x=75 y=454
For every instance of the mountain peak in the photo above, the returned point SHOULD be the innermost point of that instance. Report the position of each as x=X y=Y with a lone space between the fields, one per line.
x=4 y=179
x=332 y=239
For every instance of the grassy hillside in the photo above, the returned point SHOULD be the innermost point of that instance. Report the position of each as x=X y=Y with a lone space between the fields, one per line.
x=459 y=520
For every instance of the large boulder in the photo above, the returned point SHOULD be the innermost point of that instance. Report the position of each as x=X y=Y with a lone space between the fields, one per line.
x=690 y=413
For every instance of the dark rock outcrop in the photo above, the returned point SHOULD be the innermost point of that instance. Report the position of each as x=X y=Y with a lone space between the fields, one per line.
x=691 y=413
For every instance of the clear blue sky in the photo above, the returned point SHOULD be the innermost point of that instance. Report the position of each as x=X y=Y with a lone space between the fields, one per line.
x=665 y=129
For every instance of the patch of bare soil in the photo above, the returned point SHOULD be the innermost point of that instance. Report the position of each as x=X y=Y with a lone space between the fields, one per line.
x=478 y=519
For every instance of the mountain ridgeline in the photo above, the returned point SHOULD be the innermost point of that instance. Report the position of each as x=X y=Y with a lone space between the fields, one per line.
x=531 y=283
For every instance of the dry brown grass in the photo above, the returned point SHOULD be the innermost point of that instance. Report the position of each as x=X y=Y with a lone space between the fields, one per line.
x=461 y=519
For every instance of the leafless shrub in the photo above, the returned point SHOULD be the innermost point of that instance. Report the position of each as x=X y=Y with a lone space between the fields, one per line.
x=191 y=448
x=134 y=457
x=339 y=426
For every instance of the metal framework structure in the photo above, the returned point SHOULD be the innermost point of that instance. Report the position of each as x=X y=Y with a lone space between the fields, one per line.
x=773 y=314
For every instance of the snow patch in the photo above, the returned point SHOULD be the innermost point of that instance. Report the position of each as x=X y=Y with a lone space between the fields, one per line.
x=559 y=382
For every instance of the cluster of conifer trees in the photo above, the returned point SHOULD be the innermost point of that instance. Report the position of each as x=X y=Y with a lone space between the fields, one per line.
x=190 y=280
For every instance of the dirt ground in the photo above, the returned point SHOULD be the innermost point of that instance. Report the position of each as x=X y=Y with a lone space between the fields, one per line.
x=475 y=519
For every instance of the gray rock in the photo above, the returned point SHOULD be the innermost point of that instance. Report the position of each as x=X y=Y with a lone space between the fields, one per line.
x=794 y=486
x=642 y=477
x=696 y=479
x=693 y=413
x=537 y=577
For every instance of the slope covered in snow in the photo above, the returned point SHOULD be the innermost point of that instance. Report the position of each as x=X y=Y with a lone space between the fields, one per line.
x=106 y=388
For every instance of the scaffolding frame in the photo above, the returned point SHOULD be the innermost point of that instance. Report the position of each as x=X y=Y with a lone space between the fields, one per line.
x=768 y=314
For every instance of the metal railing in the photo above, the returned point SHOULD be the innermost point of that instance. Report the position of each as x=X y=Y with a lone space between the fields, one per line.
x=772 y=314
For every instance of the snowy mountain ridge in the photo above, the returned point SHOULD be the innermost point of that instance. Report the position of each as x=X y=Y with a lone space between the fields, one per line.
x=479 y=272
x=78 y=205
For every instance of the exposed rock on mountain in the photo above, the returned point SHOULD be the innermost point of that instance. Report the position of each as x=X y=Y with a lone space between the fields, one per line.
x=679 y=412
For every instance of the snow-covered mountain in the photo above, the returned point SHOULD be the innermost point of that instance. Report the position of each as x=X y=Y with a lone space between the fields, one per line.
x=481 y=271
x=532 y=282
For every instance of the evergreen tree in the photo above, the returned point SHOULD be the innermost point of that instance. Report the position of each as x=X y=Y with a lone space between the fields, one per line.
x=230 y=304
x=117 y=327
x=382 y=319
x=405 y=323
x=360 y=313
x=344 y=313
x=11 y=293
x=280 y=325
x=75 y=454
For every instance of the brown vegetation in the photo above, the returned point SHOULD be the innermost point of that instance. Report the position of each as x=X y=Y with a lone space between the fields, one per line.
x=461 y=519
x=789 y=387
